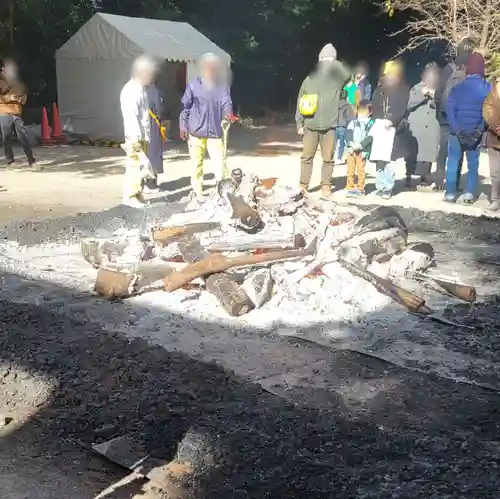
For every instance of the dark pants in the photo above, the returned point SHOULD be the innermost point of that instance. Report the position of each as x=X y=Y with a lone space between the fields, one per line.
x=494 y=160
x=9 y=124
x=455 y=159
x=442 y=158
x=422 y=168
x=326 y=142
x=340 y=131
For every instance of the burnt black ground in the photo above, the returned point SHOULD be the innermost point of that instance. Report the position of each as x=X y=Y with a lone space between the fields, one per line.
x=72 y=228
x=420 y=437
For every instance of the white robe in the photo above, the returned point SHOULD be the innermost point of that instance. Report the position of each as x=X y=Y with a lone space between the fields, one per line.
x=135 y=111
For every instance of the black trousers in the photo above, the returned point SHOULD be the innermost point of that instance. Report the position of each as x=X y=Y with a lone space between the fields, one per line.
x=8 y=125
x=422 y=168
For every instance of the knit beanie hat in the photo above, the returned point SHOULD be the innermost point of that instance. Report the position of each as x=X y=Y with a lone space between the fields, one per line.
x=328 y=53
x=475 y=64
x=466 y=47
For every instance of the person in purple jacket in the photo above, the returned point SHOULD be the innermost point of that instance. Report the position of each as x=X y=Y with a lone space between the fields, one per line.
x=464 y=111
x=206 y=103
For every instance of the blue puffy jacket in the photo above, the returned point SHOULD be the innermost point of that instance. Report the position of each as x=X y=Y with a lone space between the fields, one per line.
x=464 y=108
x=203 y=109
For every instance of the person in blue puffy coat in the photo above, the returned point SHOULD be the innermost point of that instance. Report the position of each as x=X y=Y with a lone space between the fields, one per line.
x=464 y=111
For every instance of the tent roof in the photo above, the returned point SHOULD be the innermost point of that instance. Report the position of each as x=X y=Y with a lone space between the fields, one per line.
x=108 y=36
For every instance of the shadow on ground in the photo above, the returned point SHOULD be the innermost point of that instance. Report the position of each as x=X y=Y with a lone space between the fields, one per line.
x=89 y=162
x=358 y=428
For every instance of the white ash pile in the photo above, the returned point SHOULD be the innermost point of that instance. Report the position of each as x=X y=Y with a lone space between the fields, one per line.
x=256 y=244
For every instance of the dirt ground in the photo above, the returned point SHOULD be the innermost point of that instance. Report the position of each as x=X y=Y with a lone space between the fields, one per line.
x=78 y=179
x=328 y=424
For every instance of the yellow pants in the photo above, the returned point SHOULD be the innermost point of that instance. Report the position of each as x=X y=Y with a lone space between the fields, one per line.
x=134 y=175
x=197 y=150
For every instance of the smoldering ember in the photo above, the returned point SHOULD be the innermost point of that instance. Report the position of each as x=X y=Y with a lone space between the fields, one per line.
x=272 y=286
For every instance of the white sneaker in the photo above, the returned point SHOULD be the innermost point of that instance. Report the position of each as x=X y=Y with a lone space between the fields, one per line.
x=133 y=202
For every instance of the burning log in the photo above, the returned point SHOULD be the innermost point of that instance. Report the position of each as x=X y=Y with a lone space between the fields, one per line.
x=257 y=243
x=378 y=246
x=404 y=297
x=112 y=283
x=458 y=290
x=258 y=286
x=381 y=218
x=166 y=235
x=229 y=294
x=219 y=263
x=120 y=282
x=275 y=236
x=417 y=256
x=248 y=218
x=99 y=251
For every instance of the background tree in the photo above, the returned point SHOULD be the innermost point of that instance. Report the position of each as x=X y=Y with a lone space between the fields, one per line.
x=273 y=43
x=450 y=22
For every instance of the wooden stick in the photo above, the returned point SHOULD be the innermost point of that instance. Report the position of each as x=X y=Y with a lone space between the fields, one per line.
x=228 y=292
x=219 y=263
x=463 y=291
x=166 y=235
x=404 y=297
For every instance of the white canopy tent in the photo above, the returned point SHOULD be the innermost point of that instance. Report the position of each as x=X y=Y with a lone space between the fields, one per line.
x=95 y=63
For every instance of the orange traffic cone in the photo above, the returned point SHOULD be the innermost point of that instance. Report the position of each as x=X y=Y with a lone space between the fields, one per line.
x=45 y=139
x=57 y=133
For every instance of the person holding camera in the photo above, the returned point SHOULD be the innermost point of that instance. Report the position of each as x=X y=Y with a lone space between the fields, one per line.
x=423 y=126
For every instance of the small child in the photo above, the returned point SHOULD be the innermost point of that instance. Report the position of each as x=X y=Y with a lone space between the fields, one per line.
x=346 y=114
x=358 y=146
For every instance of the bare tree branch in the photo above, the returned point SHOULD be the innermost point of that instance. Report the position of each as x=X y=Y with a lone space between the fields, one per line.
x=451 y=21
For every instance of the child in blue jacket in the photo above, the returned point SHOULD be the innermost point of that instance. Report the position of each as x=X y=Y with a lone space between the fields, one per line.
x=359 y=145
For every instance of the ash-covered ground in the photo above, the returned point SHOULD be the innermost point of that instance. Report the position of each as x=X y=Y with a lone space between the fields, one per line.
x=282 y=417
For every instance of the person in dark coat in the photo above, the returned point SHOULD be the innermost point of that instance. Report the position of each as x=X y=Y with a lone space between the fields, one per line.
x=491 y=114
x=423 y=126
x=464 y=110
x=156 y=144
x=389 y=104
x=464 y=49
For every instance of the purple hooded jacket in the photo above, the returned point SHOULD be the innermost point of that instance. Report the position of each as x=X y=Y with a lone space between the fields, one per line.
x=203 y=109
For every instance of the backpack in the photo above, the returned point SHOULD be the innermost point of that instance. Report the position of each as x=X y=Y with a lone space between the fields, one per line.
x=455 y=78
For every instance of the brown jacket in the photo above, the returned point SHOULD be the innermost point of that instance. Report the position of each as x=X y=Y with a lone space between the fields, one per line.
x=491 y=114
x=12 y=98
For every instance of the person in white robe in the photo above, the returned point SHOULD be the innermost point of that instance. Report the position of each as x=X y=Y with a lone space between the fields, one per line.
x=137 y=127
